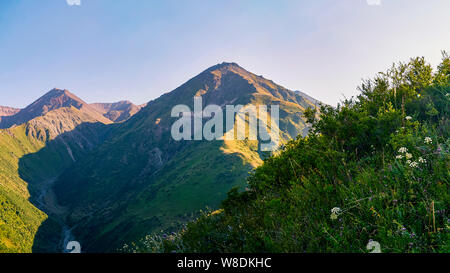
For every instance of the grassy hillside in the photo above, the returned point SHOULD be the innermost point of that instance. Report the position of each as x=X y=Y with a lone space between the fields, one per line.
x=30 y=155
x=142 y=180
x=376 y=168
x=19 y=218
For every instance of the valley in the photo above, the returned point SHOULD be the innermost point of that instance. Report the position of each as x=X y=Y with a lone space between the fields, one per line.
x=145 y=182
x=32 y=154
x=46 y=202
x=249 y=130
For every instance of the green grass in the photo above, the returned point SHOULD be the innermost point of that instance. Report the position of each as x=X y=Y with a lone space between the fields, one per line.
x=19 y=219
x=29 y=156
x=198 y=177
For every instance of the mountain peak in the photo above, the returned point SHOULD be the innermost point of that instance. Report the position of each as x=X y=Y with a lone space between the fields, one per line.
x=224 y=66
x=56 y=92
x=228 y=64
x=229 y=83
x=55 y=98
x=237 y=69
x=52 y=100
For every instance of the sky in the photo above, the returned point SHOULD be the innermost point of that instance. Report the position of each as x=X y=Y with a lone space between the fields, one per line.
x=111 y=50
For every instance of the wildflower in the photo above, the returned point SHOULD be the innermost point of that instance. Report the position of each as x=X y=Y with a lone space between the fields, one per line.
x=334 y=213
x=373 y=246
x=421 y=160
x=414 y=164
x=428 y=140
x=399 y=157
x=408 y=161
x=408 y=156
x=336 y=210
x=408 y=118
x=402 y=150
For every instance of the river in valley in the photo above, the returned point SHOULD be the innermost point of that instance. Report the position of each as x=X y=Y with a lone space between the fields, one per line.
x=47 y=203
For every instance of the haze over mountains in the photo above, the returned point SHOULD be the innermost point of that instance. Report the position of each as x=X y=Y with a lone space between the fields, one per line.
x=112 y=173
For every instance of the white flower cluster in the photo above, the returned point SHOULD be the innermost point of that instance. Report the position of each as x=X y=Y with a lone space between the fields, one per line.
x=414 y=164
x=428 y=140
x=335 y=213
x=408 y=118
x=409 y=156
x=421 y=160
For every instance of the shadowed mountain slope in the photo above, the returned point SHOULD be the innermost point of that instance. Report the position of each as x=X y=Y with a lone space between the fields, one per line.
x=141 y=180
x=32 y=154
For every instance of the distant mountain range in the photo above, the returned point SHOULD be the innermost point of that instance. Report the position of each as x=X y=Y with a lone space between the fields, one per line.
x=8 y=111
x=57 y=98
x=119 y=111
x=111 y=173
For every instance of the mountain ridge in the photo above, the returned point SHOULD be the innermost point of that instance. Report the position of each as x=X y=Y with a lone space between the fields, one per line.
x=51 y=133
x=178 y=178
x=54 y=99
x=117 y=111
x=8 y=111
x=59 y=98
x=31 y=154
x=54 y=145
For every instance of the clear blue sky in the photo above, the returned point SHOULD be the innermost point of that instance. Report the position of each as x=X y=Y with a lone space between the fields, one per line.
x=110 y=50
